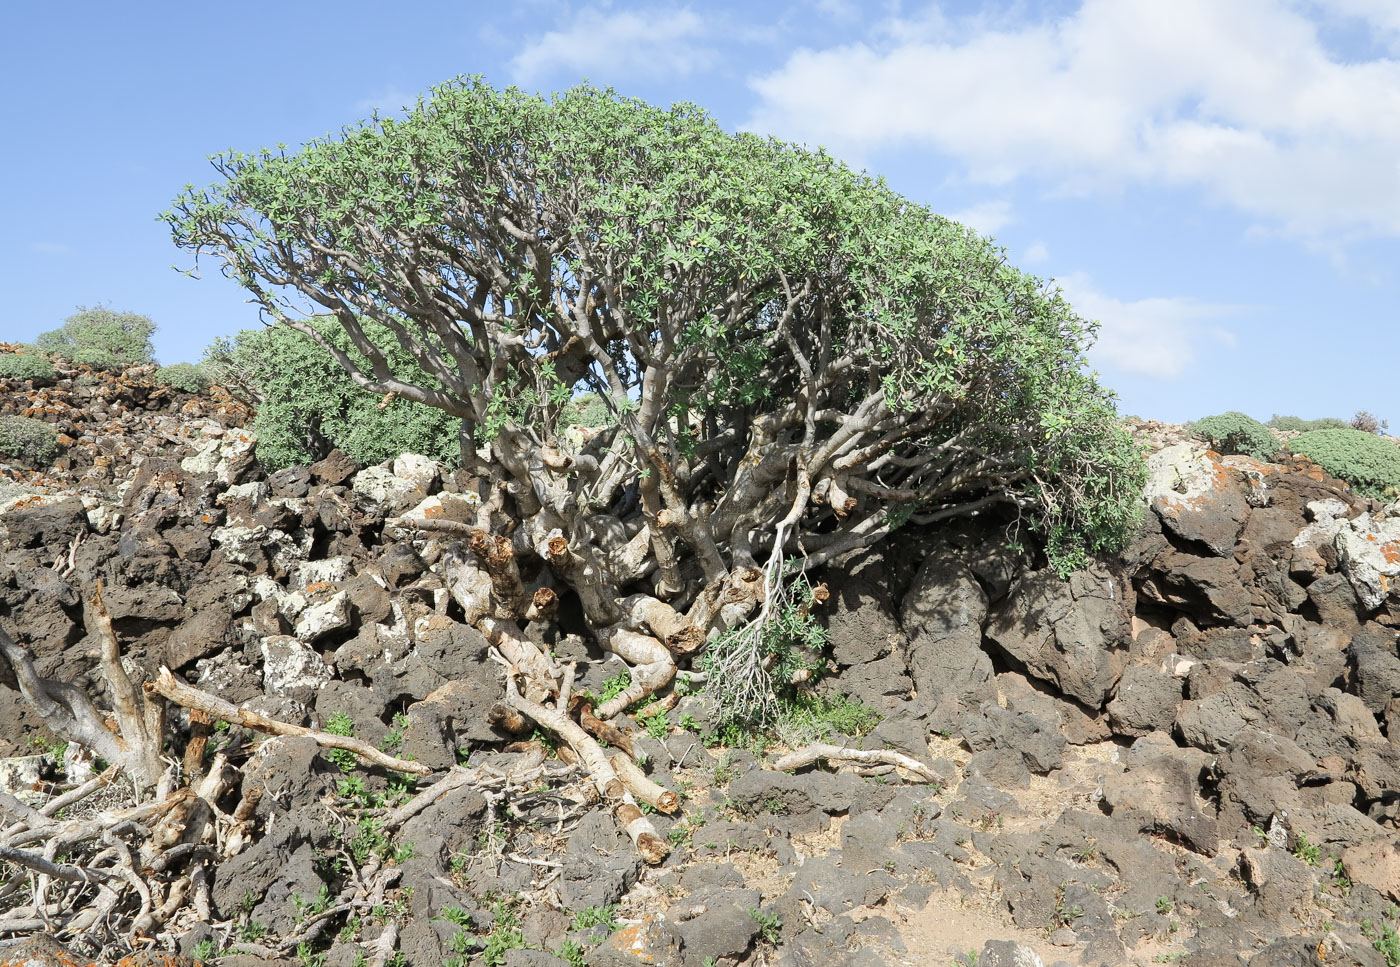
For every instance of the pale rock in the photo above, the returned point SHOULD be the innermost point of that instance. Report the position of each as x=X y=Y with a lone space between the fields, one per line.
x=1368 y=553
x=380 y=486
x=423 y=472
x=21 y=776
x=292 y=669
x=227 y=457
x=241 y=543
x=319 y=620
x=331 y=570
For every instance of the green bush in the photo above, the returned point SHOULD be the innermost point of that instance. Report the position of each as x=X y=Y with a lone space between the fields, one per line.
x=1370 y=464
x=31 y=441
x=306 y=404
x=1293 y=423
x=189 y=377
x=101 y=338
x=29 y=365
x=1234 y=432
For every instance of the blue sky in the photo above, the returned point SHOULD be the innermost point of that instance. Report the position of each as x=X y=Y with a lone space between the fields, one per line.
x=1216 y=181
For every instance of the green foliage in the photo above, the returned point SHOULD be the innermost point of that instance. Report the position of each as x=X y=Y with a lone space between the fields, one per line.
x=341 y=724
x=1293 y=423
x=101 y=338
x=31 y=441
x=1234 y=432
x=805 y=718
x=26 y=365
x=680 y=249
x=306 y=404
x=573 y=953
x=1308 y=852
x=190 y=377
x=770 y=925
x=750 y=670
x=1386 y=940
x=1369 y=463
x=206 y=951
x=605 y=916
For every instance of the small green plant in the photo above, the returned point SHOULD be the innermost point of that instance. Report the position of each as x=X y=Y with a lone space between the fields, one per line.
x=190 y=377
x=505 y=935
x=28 y=365
x=770 y=925
x=1234 y=432
x=596 y=916
x=308 y=957
x=1165 y=905
x=572 y=952
x=206 y=951
x=687 y=722
x=1308 y=852
x=1369 y=463
x=251 y=931
x=101 y=338
x=341 y=724
x=32 y=441
x=1341 y=880
x=1065 y=914
x=658 y=726
x=1387 y=942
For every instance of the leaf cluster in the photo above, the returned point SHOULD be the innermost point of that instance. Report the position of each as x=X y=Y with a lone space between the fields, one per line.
x=1236 y=433
x=101 y=338
x=1369 y=463
x=26 y=365
x=31 y=441
x=306 y=404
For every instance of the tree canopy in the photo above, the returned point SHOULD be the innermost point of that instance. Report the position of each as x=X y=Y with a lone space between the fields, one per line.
x=797 y=359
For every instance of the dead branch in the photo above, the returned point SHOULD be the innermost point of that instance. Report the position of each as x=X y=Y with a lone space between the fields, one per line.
x=866 y=757
x=182 y=693
x=656 y=796
x=610 y=786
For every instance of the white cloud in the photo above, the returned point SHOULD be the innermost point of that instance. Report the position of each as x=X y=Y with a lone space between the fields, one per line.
x=604 y=44
x=986 y=218
x=50 y=248
x=1241 y=101
x=390 y=101
x=1153 y=337
x=1036 y=253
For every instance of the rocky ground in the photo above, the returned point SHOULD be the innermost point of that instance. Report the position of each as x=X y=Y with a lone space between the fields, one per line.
x=1181 y=754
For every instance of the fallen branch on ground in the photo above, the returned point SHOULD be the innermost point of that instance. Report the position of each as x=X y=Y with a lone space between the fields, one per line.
x=182 y=693
x=865 y=757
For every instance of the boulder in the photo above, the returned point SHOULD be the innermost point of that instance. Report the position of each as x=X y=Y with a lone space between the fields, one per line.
x=1368 y=553
x=292 y=669
x=1072 y=633
x=1197 y=497
x=942 y=614
x=1158 y=788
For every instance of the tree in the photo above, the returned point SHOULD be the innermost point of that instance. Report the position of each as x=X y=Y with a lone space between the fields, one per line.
x=797 y=360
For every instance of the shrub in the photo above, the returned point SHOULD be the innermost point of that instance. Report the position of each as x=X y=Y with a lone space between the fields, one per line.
x=307 y=404
x=29 y=365
x=189 y=377
x=102 y=339
x=1234 y=432
x=1364 y=460
x=31 y=441
x=1368 y=422
x=1293 y=423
